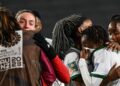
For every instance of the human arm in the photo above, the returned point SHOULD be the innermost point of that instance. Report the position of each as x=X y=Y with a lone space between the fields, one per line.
x=60 y=69
x=46 y=47
x=47 y=73
x=113 y=74
x=95 y=77
x=84 y=53
x=84 y=72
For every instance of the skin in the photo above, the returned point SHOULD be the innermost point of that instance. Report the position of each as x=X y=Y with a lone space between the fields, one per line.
x=26 y=21
x=88 y=44
x=114 y=72
x=87 y=23
x=114 y=32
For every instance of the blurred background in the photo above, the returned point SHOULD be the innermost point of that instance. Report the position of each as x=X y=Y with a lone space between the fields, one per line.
x=53 y=10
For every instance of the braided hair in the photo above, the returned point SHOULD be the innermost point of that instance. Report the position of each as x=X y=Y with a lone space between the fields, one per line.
x=64 y=33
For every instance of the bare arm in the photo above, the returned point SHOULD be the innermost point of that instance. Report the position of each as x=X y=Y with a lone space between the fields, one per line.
x=113 y=74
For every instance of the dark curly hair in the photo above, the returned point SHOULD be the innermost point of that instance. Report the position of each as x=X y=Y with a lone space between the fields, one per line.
x=96 y=34
x=8 y=26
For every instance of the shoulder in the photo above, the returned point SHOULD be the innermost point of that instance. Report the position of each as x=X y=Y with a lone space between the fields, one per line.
x=105 y=54
x=71 y=55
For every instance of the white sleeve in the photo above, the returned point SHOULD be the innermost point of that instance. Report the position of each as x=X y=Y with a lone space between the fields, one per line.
x=84 y=72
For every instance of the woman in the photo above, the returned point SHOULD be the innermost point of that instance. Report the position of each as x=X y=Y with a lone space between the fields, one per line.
x=67 y=42
x=31 y=24
x=94 y=40
x=66 y=33
x=25 y=19
x=28 y=74
x=114 y=33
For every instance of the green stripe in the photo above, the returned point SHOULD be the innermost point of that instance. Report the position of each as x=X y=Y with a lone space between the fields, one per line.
x=75 y=76
x=102 y=46
x=98 y=75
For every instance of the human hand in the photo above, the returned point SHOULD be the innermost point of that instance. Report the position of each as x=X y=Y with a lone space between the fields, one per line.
x=114 y=73
x=113 y=46
x=42 y=43
x=84 y=53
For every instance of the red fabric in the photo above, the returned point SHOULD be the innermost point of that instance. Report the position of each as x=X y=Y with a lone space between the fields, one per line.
x=60 y=69
x=48 y=73
x=43 y=82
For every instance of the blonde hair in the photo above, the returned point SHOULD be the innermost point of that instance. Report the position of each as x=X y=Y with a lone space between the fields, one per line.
x=38 y=23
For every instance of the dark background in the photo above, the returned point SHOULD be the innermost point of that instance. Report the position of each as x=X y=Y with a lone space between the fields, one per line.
x=52 y=10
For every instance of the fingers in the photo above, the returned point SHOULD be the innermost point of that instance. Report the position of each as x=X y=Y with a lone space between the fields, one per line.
x=113 y=46
x=110 y=46
x=84 y=53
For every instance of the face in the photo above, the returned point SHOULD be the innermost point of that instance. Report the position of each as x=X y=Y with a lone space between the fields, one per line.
x=114 y=31
x=87 y=23
x=87 y=43
x=26 y=21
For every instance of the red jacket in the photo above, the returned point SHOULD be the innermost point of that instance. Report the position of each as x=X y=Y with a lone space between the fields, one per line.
x=48 y=74
x=61 y=70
